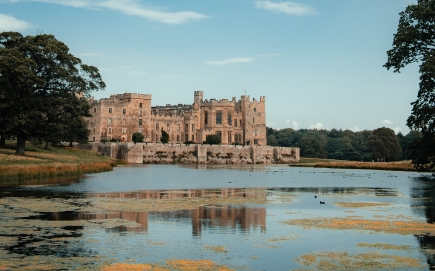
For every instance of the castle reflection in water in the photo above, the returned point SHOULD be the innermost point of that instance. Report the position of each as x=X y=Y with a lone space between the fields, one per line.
x=210 y=217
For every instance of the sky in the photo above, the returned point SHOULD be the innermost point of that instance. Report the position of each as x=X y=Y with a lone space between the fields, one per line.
x=318 y=62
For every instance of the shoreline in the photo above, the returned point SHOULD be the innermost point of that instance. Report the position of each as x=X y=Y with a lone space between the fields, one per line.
x=325 y=163
x=54 y=162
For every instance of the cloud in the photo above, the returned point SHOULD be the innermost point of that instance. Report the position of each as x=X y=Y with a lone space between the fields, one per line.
x=355 y=129
x=92 y=54
x=397 y=129
x=317 y=126
x=289 y=8
x=387 y=121
x=230 y=61
x=9 y=23
x=130 y=7
x=294 y=123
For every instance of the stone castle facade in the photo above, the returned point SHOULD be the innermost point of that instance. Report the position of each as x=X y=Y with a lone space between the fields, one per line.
x=122 y=115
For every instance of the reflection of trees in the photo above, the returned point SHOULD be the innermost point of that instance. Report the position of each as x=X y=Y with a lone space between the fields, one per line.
x=423 y=203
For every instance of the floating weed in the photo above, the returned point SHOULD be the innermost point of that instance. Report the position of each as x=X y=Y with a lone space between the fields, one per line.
x=361 y=204
x=193 y=265
x=327 y=261
x=283 y=238
x=394 y=227
x=384 y=246
x=217 y=249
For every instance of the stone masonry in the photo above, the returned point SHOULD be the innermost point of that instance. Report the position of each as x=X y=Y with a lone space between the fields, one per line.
x=157 y=153
x=121 y=115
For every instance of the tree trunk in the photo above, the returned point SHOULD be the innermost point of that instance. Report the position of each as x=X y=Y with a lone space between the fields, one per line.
x=2 y=141
x=46 y=145
x=21 y=143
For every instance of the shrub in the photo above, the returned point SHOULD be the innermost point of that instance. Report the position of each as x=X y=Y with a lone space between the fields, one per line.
x=213 y=139
x=137 y=137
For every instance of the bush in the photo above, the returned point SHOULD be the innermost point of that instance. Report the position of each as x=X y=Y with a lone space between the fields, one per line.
x=137 y=137
x=213 y=139
x=165 y=137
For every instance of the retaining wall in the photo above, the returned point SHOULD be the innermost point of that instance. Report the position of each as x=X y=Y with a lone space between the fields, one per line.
x=152 y=153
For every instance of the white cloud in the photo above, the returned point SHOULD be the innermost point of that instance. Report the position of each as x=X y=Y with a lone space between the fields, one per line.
x=9 y=23
x=91 y=54
x=387 y=121
x=294 y=123
x=131 y=7
x=355 y=129
x=289 y=8
x=230 y=61
x=317 y=126
x=397 y=129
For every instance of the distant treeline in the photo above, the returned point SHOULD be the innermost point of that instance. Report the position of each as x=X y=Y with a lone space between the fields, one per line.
x=380 y=144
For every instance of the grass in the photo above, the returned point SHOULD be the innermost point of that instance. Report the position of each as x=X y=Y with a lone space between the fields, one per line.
x=52 y=162
x=331 y=163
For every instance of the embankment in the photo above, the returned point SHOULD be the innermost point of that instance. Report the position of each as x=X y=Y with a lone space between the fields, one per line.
x=152 y=153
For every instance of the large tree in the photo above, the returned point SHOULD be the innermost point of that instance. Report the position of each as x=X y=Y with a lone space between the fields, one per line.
x=384 y=144
x=43 y=89
x=415 y=42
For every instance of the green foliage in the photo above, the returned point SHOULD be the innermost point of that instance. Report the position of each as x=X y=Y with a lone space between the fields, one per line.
x=40 y=88
x=165 y=137
x=272 y=141
x=383 y=143
x=137 y=137
x=415 y=42
x=213 y=139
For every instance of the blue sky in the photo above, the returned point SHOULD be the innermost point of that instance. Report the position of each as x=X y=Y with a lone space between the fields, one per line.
x=318 y=62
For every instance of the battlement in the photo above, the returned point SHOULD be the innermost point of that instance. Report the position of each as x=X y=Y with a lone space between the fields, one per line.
x=130 y=96
x=198 y=93
x=221 y=102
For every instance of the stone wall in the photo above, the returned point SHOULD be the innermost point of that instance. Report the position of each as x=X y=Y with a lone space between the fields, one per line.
x=152 y=153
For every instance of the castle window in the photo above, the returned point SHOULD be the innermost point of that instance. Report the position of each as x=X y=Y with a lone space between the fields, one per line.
x=256 y=141
x=235 y=123
x=110 y=110
x=178 y=138
x=205 y=117
x=256 y=132
x=193 y=138
x=95 y=110
x=109 y=122
x=186 y=128
x=140 y=105
x=186 y=136
x=124 y=130
x=218 y=117
x=178 y=128
x=193 y=128
x=157 y=127
x=230 y=137
x=93 y=138
x=219 y=135
x=255 y=109
x=230 y=121
x=123 y=122
x=140 y=122
x=253 y=120
x=124 y=111
x=93 y=131
x=109 y=131
x=140 y=112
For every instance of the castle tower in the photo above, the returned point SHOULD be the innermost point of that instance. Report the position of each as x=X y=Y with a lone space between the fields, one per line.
x=197 y=100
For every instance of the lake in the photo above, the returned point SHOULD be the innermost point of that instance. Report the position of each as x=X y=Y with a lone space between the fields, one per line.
x=207 y=217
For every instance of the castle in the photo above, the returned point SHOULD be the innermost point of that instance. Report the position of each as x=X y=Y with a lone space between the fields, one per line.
x=122 y=115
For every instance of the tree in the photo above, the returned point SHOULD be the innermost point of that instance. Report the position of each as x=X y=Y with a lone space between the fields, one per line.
x=383 y=143
x=137 y=137
x=415 y=42
x=213 y=139
x=405 y=142
x=42 y=89
x=165 y=137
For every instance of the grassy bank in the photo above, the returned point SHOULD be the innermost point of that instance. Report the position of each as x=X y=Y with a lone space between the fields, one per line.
x=330 y=163
x=41 y=163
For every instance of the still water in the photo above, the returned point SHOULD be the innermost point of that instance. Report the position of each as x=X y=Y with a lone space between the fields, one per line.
x=239 y=217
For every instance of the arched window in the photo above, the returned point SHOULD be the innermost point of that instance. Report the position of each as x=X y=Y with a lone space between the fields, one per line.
x=255 y=109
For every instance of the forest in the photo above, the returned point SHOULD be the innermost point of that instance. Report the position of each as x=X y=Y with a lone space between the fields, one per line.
x=381 y=144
